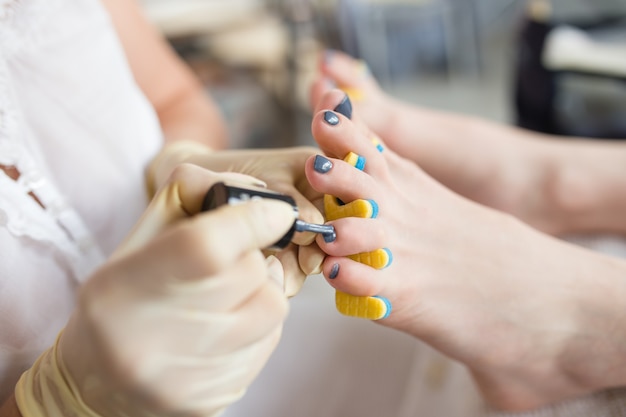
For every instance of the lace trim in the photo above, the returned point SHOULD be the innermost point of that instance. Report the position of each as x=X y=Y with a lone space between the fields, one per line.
x=59 y=224
x=19 y=20
x=23 y=218
x=8 y=8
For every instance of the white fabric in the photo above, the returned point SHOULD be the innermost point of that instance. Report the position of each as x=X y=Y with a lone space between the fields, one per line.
x=76 y=126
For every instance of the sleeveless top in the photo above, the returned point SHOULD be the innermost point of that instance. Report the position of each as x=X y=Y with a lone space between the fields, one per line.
x=80 y=132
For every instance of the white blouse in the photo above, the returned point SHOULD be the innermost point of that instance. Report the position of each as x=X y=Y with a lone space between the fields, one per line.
x=80 y=132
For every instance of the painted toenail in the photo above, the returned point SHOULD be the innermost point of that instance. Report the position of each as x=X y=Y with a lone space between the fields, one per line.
x=322 y=164
x=331 y=118
x=334 y=271
x=330 y=237
x=345 y=107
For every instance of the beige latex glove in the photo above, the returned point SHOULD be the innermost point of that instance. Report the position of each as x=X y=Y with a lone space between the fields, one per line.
x=179 y=322
x=282 y=170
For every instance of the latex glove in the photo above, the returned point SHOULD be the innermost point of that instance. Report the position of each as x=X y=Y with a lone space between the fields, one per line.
x=282 y=170
x=178 y=323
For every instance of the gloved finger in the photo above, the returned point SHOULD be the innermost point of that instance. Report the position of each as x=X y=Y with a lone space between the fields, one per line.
x=310 y=258
x=253 y=319
x=216 y=315
x=232 y=376
x=294 y=277
x=180 y=197
x=218 y=238
x=293 y=182
x=195 y=332
x=194 y=182
x=275 y=271
x=221 y=292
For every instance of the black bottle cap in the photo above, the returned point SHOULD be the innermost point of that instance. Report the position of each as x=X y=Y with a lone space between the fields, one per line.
x=221 y=193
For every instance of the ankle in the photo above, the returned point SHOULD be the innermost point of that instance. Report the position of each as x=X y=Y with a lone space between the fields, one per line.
x=582 y=185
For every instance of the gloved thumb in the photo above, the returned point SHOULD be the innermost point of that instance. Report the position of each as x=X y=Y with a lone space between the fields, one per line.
x=181 y=197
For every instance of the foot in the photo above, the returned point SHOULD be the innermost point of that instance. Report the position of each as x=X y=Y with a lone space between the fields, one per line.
x=474 y=283
x=338 y=70
x=495 y=165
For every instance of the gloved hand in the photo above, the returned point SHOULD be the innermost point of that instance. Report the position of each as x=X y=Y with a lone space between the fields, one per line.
x=281 y=170
x=179 y=322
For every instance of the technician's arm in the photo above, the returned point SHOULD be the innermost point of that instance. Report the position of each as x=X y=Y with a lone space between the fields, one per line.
x=9 y=408
x=190 y=121
x=184 y=109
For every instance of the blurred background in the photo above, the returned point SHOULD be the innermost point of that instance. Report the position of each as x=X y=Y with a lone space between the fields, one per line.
x=556 y=66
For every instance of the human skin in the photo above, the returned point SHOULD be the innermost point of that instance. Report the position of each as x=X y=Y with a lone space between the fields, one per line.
x=536 y=320
x=185 y=110
x=558 y=186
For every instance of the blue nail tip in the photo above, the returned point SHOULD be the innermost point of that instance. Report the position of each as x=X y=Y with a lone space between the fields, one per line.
x=374 y=208
x=387 y=304
x=380 y=148
x=389 y=255
x=360 y=163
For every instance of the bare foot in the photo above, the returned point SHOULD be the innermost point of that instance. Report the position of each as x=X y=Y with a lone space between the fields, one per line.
x=352 y=76
x=505 y=168
x=520 y=309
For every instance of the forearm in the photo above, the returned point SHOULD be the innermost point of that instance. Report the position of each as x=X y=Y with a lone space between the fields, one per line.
x=193 y=116
x=184 y=108
x=9 y=408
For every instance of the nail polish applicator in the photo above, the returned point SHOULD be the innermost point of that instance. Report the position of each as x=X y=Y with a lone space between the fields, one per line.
x=221 y=193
